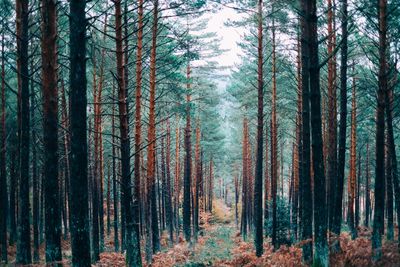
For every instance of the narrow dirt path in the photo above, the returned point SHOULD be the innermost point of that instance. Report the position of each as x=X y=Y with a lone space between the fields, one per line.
x=216 y=245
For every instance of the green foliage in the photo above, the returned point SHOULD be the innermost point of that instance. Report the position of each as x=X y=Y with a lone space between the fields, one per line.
x=283 y=221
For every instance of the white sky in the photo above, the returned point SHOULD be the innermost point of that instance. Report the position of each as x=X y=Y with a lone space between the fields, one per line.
x=230 y=36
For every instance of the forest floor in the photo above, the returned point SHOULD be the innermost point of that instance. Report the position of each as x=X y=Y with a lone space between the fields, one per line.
x=219 y=244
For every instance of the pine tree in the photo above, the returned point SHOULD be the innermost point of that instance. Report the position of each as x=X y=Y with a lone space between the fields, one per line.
x=78 y=129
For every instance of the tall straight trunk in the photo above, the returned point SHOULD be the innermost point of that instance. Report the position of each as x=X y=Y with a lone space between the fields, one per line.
x=320 y=212
x=201 y=182
x=132 y=241
x=151 y=149
x=266 y=181
x=244 y=180
x=305 y=182
x=332 y=116
x=50 y=131
x=177 y=180
x=99 y=134
x=392 y=150
x=250 y=188
x=168 y=200
x=274 y=144
x=13 y=194
x=114 y=174
x=358 y=192
x=109 y=199
x=138 y=120
x=3 y=174
x=66 y=147
x=96 y=172
x=161 y=187
x=389 y=189
x=380 y=134
x=337 y=213
x=258 y=222
x=352 y=175
x=299 y=135
x=35 y=178
x=236 y=183
x=41 y=207
x=197 y=181
x=297 y=168
x=367 y=190
x=18 y=22
x=24 y=235
x=63 y=210
x=210 y=187
x=188 y=163
x=78 y=130
x=101 y=186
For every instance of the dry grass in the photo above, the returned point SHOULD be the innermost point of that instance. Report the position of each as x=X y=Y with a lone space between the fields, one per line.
x=222 y=213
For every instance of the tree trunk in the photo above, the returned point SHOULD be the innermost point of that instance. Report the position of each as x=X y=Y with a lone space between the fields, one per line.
x=35 y=179
x=392 y=150
x=3 y=174
x=389 y=188
x=114 y=173
x=151 y=149
x=358 y=192
x=266 y=182
x=380 y=135
x=177 y=180
x=244 y=180
x=79 y=165
x=197 y=181
x=258 y=222
x=305 y=179
x=236 y=182
x=298 y=153
x=24 y=235
x=132 y=241
x=95 y=188
x=352 y=172
x=168 y=200
x=367 y=189
x=108 y=200
x=332 y=116
x=274 y=144
x=320 y=212
x=338 y=190
x=99 y=133
x=138 y=121
x=210 y=187
x=66 y=147
x=299 y=133
x=13 y=197
x=188 y=163
x=50 y=131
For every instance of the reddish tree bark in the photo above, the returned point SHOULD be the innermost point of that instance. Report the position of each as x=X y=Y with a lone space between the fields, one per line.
x=332 y=116
x=352 y=175
x=151 y=149
x=274 y=143
x=244 y=219
x=188 y=162
x=138 y=119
